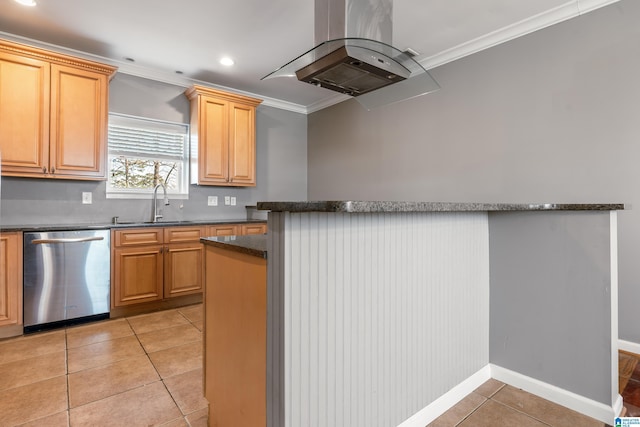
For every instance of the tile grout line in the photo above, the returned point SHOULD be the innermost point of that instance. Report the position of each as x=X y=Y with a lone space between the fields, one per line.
x=471 y=413
x=522 y=412
x=183 y=416
x=487 y=398
x=66 y=362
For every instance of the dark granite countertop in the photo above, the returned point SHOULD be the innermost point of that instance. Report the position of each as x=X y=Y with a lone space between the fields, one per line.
x=381 y=207
x=127 y=224
x=255 y=245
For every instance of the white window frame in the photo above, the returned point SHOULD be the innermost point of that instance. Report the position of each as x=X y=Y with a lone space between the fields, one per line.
x=135 y=122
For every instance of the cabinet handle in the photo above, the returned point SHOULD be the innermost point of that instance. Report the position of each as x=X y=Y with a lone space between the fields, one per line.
x=44 y=169
x=53 y=170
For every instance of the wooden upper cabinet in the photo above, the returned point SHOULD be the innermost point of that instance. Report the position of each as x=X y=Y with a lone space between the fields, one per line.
x=24 y=114
x=213 y=147
x=223 y=137
x=242 y=144
x=78 y=138
x=53 y=114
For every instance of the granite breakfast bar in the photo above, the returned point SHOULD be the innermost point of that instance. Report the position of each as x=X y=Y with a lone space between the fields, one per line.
x=388 y=313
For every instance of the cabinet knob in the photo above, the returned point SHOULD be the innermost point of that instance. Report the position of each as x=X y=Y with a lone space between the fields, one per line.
x=44 y=169
x=53 y=170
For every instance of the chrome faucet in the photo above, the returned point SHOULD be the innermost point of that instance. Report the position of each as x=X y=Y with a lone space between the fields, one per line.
x=156 y=215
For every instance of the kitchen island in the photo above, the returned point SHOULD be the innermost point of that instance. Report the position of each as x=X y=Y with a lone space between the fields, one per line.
x=235 y=304
x=388 y=313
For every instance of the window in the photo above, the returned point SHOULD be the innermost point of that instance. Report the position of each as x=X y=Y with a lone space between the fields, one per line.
x=145 y=152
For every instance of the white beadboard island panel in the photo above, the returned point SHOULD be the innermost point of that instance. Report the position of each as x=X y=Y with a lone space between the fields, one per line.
x=373 y=316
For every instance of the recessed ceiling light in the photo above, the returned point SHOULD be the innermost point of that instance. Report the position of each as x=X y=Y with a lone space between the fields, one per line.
x=27 y=2
x=227 y=61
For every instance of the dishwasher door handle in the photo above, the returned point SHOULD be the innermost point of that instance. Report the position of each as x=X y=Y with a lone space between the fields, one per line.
x=67 y=240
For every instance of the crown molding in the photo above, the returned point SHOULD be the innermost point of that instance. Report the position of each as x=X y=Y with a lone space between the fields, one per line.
x=526 y=26
x=327 y=102
x=136 y=70
x=587 y=6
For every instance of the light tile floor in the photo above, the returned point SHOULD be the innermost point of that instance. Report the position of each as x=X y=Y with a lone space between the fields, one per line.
x=147 y=370
x=137 y=371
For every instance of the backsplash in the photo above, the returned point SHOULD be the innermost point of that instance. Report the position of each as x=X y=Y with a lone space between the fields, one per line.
x=43 y=201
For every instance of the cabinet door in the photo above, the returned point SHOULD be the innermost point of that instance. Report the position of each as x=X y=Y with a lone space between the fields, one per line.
x=24 y=115
x=184 y=269
x=213 y=141
x=10 y=279
x=222 y=230
x=78 y=123
x=138 y=274
x=253 y=229
x=242 y=145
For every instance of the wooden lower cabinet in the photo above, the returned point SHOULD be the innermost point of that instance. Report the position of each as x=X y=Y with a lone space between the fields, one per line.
x=138 y=274
x=223 y=230
x=235 y=338
x=183 y=269
x=156 y=263
x=10 y=281
x=247 y=229
x=236 y=229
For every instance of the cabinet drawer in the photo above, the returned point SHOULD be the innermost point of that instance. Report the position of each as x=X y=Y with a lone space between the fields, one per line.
x=139 y=236
x=182 y=234
x=223 y=230
x=253 y=229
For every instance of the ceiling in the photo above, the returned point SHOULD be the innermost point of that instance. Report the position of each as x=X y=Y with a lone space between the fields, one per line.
x=190 y=36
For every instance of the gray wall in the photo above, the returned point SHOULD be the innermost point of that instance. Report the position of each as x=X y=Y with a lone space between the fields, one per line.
x=550 y=316
x=281 y=168
x=549 y=117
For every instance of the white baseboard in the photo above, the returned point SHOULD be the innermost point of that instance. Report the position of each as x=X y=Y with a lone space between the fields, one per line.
x=581 y=404
x=447 y=400
x=629 y=346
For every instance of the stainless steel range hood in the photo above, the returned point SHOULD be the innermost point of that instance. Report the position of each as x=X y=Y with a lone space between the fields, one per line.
x=354 y=55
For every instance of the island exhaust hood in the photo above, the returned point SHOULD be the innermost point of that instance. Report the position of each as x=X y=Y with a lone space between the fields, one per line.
x=354 y=55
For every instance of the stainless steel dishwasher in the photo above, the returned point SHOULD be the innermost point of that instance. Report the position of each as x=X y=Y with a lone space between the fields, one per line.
x=66 y=278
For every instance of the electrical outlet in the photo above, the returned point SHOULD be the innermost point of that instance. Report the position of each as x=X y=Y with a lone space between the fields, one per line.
x=86 y=198
x=233 y=201
x=212 y=201
x=227 y=200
